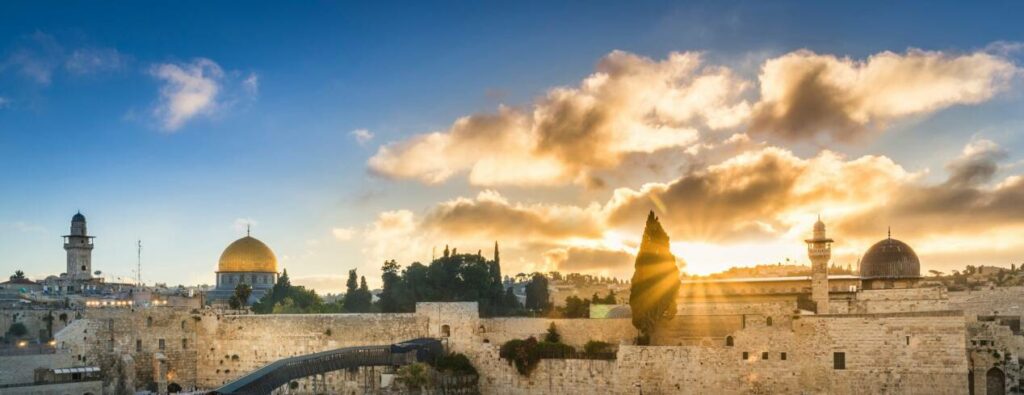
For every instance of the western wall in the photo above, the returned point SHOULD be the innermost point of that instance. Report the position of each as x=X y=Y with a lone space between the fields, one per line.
x=907 y=352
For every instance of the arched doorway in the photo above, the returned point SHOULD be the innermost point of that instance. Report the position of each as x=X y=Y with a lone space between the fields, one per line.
x=995 y=382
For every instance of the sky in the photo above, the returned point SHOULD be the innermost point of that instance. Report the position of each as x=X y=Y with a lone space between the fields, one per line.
x=345 y=134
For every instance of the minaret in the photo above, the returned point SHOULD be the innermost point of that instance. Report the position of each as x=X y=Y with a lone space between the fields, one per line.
x=819 y=250
x=79 y=245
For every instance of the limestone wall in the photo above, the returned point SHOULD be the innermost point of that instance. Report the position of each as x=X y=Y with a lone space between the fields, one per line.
x=994 y=301
x=20 y=369
x=575 y=332
x=899 y=300
x=879 y=359
x=233 y=345
x=35 y=321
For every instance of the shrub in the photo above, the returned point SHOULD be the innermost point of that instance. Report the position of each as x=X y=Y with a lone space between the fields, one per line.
x=595 y=347
x=521 y=353
x=552 y=336
x=17 y=329
x=456 y=363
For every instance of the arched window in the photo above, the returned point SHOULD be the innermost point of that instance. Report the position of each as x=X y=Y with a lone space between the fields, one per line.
x=768 y=321
x=446 y=331
x=149 y=322
x=182 y=324
x=995 y=382
x=728 y=341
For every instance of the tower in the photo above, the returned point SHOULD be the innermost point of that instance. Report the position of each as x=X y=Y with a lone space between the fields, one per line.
x=79 y=245
x=819 y=250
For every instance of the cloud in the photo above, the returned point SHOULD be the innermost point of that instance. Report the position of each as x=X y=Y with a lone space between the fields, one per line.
x=618 y=263
x=343 y=234
x=36 y=57
x=4 y=102
x=95 y=60
x=362 y=136
x=490 y=216
x=251 y=84
x=971 y=197
x=756 y=195
x=189 y=90
x=630 y=104
x=243 y=224
x=804 y=94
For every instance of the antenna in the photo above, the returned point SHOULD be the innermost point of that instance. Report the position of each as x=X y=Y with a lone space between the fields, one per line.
x=138 y=266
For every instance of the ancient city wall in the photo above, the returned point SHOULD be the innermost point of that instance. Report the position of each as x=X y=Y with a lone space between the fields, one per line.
x=20 y=369
x=35 y=320
x=879 y=359
x=994 y=301
x=899 y=300
x=233 y=345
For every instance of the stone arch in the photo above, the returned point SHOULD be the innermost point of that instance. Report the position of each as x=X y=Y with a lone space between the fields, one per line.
x=995 y=382
x=174 y=388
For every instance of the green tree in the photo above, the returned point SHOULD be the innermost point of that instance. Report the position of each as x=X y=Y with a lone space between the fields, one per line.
x=392 y=295
x=655 y=283
x=575 y=307
x=18 y=275
x=552 y=336
x=241 y=297
x=17 y=330
x=357 y=296
x=537 y=296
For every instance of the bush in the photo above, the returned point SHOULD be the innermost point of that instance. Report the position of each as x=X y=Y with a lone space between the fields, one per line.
x=549 y=350
x=456 y=363
x=596 y=347
x=552 y=336
x=17 y=329
x=521 y=353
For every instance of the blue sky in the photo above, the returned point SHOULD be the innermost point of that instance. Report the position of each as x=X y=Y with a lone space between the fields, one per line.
x=276 y=146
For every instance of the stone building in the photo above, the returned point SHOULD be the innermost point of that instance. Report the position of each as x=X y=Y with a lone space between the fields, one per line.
x=245 y=261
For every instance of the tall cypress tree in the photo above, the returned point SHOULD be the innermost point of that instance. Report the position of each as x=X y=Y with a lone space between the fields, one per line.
x=655 y=283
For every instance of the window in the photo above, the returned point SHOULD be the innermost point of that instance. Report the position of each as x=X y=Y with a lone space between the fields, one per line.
x=839 y=360
x=138 y=345
x=163 y=345
x=183 y=325
x=746 y=355
x=768 y=321
x=184 y=344
x=149 y=322
x=782 y=356
x=908 y=340
x=446 y=331
x=728 y=341
x=764 y=355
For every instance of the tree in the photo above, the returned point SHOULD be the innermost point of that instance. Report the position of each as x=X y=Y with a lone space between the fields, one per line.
x=357 y=296
x=18 y=275
x=935 y=273
x=17 y=329
x=655 y=283
x=537 y=297
x=393 y=295
x=241 y=297
x=552 y=336
x=576 y=307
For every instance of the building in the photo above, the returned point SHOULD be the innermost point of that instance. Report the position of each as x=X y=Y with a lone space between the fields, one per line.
x=78 y=245
x=245 y=261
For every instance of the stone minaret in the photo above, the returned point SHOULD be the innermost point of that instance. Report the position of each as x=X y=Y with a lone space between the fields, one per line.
x=819 y=250
x=79 y=245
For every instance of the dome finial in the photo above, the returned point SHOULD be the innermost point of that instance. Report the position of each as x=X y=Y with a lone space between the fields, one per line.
x=889 y=233
x=247 y=229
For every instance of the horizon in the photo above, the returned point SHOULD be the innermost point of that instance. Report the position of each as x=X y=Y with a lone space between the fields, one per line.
x=346 y=135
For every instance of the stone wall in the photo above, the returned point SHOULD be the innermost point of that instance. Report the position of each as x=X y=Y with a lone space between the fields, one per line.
x=575 y=332
x=35 y=320
x=879 y=359
x=233 y=345
x=899 y=300
x=20 y=369
x=993 y=301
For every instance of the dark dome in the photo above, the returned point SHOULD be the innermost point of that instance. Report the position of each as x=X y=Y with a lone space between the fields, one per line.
x=78 y=218
x=890 y=258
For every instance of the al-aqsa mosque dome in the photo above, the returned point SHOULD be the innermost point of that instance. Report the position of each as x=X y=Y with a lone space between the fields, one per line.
x=245 y=261
x=890 y=263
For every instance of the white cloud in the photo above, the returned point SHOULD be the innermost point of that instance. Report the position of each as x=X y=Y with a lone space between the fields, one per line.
x=36 y=57
x=251 y=84
x=343 y=234
x=362 y=136
x=189 y=90
x=243 y=224
x=4 y=102
x=95 y=60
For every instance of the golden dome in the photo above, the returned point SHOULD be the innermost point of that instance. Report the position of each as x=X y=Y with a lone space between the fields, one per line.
x=248 y=255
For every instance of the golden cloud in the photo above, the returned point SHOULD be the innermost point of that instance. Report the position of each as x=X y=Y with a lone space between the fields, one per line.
x=804 y=94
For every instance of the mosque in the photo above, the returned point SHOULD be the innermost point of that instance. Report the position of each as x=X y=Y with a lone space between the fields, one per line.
x=245 y=261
